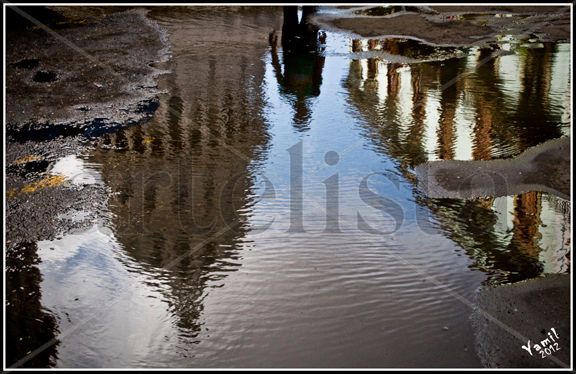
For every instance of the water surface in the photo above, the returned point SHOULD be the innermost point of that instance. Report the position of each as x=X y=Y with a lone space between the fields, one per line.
x=268 y=217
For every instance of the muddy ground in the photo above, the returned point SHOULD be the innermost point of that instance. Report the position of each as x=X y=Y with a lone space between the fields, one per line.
x=72 y=74
x=524 y=311
x=545 y=167
x=91 y=70
x=456 y=26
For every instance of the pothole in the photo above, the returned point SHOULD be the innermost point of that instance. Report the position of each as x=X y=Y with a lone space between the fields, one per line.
x=27 y=63
x=30 y=167
x=45 y=76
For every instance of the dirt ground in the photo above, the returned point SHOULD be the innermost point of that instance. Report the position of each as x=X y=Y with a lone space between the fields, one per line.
x=545 y=167
x=71 y=74
x=78 y=69
x=508 y=316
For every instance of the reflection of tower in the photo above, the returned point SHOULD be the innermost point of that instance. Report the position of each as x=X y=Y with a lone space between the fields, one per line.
x=392 y=46
x=485 y=105
x=372 y=68
x=482 y=132
x=393 y=81
x=450 y=87
x=378 y=89
x=373 y=62
x=356 y=45
x=481 y=149
x=527 y=207
x=414 y=141
x=535 y=124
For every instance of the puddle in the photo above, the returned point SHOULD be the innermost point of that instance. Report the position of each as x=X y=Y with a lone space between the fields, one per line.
x=45 y=76
x=25 y=168
x=77 y=170
x=98 y=289
x=27 y=63
x=76 y=216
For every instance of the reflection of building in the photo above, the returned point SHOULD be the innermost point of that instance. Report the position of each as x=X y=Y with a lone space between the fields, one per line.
x=462 y=109
x=179 y=193
x=526 y=222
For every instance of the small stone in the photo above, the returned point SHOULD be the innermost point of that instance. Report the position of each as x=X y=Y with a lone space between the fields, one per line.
x=445 y=328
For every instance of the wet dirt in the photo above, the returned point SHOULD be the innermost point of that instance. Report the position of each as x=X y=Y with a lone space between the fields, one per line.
x=448 y=25
x=545 y=167
x=83 y=72
x=525 y=312
x=69 y=80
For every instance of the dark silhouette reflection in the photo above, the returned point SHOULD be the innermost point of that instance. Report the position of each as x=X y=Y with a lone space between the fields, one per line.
x=28 y=325
x=507 y=254
x=302 y=60
x=451 y=89
x=533 y=108
x=178 y=200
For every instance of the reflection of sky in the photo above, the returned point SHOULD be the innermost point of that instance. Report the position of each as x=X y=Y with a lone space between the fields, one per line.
x=464 y=123
x=331 y=129
x=433 y=110
x=77 y=170
x=296 y=292
x=503 y=207
x=405 y=93
x=382 y=81
x=107 y=316
x=560 y=85
x=509 y=73
x=555 y=237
